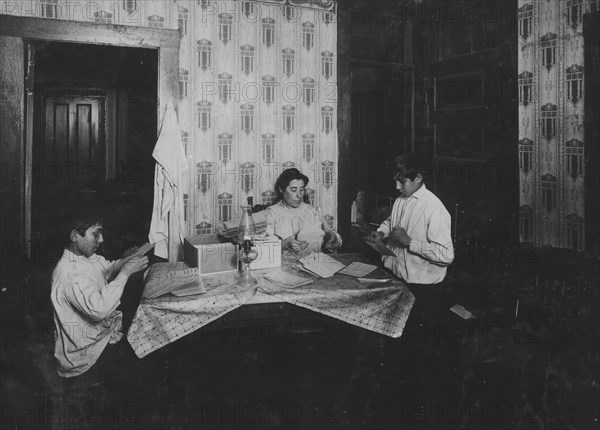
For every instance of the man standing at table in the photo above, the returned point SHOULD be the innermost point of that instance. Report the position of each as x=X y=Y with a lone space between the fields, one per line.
x=418 y=229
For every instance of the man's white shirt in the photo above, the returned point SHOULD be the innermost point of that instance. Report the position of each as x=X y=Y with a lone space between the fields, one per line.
x=428 y=223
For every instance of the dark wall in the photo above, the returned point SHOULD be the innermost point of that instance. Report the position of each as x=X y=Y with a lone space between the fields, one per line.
x=12 y=184
x=436 y=77
x=466 y=113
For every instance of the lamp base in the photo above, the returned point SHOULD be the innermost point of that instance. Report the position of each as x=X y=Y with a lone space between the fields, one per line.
x=245 y=279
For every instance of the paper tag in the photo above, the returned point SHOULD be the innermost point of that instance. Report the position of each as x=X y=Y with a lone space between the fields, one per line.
x=461 y=312
x=144 y=249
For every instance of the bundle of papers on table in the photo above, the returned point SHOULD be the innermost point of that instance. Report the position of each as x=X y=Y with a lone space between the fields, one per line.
x=286 y=279
x=175 y=278
x=320 y=264
x=229 y=229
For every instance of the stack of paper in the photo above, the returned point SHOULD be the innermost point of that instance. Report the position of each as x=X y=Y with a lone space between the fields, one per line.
x=229 y=229
x=163 y=278
x=281 y=277
x=358 y=269
x=144 y=249
x=189 y=290
x=320 y=264
x=312 y=233
x=380 y=247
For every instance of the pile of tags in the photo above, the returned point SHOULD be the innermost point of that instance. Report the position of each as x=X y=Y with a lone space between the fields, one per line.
x=320 y=264
x=229 y=229
x=316 y=264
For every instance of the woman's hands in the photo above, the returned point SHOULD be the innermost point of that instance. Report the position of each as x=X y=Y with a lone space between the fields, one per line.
x=294 y=245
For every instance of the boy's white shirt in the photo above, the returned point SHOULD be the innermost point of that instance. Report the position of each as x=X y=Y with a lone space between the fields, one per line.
x=427 y=222
x=85 y=315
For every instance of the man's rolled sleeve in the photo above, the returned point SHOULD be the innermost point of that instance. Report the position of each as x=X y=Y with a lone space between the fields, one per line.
x=438 y=248
x=437 y=253
x=385 y=227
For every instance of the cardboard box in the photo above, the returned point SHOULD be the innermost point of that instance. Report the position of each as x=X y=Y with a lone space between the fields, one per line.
x=269 y=253
x=210 y=254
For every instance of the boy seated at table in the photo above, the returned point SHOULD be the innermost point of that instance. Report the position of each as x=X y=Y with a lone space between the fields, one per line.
x=86 y=290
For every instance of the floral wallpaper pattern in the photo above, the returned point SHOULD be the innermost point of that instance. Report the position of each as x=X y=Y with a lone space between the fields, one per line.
x=551 y=131
x=257 y=93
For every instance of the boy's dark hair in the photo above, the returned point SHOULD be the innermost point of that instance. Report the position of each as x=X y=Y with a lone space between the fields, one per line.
x=78 y=219
x=408 y=165
x=287 y=176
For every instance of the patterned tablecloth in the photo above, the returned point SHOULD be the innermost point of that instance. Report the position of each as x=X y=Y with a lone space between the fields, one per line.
x=164 y=319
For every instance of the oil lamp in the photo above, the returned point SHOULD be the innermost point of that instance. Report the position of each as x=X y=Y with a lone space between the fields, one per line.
x=247 y=253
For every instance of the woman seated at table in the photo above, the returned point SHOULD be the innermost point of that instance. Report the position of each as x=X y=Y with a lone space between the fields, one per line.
x=297 y=224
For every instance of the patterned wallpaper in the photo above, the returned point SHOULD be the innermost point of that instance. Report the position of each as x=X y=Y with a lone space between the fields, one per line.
x=551 y=130
x=257 y=93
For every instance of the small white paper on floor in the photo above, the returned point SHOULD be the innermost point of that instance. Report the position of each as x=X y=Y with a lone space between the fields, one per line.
x=461 y=312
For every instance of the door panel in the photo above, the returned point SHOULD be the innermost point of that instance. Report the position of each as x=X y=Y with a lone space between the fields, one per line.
x=74 y=148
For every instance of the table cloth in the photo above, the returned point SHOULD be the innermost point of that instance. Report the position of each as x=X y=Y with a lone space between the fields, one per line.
x=382 y=309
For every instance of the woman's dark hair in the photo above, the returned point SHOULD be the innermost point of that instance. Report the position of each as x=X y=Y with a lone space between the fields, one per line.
x=408 y=165
x=287 y=176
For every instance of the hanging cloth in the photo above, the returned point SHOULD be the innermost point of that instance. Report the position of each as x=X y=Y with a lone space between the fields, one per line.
x=168 y=182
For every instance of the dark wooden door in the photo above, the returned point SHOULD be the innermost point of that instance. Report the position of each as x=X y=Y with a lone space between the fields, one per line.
x=70 y=158
x=74 y=149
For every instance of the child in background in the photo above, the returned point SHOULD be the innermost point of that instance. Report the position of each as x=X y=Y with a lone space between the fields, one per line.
x=86 y=290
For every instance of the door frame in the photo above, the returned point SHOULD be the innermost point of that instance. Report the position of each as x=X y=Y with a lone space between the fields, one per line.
x=166 y=41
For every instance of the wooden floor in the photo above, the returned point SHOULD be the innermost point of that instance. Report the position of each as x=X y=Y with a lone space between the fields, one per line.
x=280 y=366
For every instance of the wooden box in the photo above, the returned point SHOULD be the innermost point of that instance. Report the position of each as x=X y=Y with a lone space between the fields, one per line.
x=210 y=254
x=269 y=253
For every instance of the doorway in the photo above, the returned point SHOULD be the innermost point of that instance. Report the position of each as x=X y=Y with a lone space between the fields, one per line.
x=94 y=128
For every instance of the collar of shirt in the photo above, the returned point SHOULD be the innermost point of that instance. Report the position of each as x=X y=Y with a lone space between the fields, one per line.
x=71 y=256
x=420 y=192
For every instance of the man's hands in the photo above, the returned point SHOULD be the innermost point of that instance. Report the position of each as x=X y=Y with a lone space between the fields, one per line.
x=134 y=264
x=374 y=236
x=294 y=245
x=398 y=236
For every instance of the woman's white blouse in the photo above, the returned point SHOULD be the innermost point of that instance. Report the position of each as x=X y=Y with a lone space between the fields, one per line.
x=285 y=221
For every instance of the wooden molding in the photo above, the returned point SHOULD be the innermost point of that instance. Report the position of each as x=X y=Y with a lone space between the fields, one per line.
x=87 y=32
x=166 y=41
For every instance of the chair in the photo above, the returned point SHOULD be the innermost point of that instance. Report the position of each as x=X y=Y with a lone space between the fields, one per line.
x=256 y=208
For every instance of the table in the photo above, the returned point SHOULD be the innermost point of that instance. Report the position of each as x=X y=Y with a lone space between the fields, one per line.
x=382 y=309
